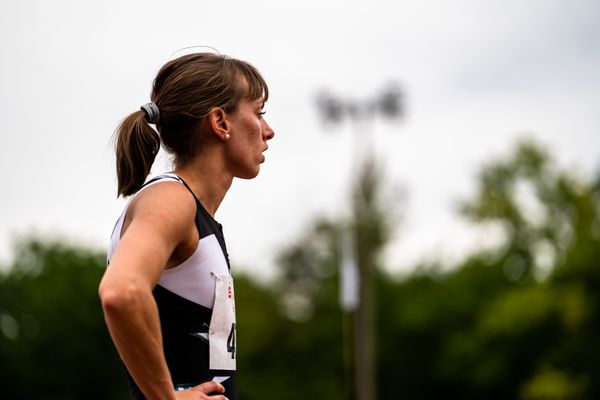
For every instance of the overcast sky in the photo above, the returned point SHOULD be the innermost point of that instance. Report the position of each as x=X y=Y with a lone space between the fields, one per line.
x=476 y=75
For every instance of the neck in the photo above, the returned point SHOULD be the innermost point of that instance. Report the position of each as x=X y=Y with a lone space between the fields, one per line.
x=208 y=180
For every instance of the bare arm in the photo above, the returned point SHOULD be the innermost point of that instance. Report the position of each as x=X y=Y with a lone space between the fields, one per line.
x=159 y=220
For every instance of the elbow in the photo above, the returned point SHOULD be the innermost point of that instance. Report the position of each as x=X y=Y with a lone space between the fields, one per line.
x=118 y=297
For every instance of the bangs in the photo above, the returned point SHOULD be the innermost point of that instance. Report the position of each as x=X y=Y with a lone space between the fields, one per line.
x=255 y=87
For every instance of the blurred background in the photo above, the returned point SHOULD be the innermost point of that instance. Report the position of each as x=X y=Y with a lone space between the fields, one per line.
x=426 y=224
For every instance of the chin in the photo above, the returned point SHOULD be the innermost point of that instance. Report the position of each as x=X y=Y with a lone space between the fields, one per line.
x=250 y=174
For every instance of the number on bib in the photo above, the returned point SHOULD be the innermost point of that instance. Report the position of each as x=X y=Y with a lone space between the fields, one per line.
x=231 y=341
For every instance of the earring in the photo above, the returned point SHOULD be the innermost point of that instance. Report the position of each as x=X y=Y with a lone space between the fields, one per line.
x=227 y=136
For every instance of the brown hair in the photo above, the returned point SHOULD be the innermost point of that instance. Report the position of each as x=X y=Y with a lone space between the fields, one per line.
x=185 y=90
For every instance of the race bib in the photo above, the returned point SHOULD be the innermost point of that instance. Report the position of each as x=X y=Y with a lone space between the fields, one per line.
x=221 y=335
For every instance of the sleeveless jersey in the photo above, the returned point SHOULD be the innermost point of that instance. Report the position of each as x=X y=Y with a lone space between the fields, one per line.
x=196 y=306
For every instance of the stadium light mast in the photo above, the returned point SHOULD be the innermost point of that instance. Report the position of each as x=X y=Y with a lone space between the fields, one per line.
x=357 y=297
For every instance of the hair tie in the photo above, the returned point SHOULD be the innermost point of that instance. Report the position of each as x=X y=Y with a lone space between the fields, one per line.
x=152 y=113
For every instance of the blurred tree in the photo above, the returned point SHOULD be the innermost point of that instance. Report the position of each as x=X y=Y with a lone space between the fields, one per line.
x=543 y=328
x=53 y=341
x=309 y=287
x=513 y=321
x=541 y=210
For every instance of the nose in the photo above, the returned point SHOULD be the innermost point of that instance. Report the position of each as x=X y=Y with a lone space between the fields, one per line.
x=268 y=133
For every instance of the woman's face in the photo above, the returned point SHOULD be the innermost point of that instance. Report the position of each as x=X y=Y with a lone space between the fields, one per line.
x=249 y=133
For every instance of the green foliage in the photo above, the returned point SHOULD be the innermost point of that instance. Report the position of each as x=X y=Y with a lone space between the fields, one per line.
x=304 y=348
x=516 y=321
x=53 y=342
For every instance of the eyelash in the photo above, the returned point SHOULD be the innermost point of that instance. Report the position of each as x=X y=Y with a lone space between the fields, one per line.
x=260 y=114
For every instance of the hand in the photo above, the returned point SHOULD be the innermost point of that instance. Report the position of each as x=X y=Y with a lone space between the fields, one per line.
x=201 y=391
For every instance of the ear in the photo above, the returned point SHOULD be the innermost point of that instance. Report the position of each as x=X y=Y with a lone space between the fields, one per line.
x=219 y=123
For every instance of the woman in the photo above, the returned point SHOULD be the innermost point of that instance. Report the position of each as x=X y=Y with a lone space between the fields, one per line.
x=167 y=293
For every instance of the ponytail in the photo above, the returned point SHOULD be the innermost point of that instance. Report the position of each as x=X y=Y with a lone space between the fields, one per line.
x=136 y=147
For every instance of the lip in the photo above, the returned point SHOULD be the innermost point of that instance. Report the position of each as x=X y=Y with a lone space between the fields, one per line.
x=262 y=156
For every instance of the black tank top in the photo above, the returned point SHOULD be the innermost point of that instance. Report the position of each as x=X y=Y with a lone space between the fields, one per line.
x=185 y=297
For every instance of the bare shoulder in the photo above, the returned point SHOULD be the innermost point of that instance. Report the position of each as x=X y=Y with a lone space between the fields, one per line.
x=158 y=221
x=168 y=205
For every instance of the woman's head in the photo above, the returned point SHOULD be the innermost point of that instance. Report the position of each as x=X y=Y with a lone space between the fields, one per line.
x=185 y=91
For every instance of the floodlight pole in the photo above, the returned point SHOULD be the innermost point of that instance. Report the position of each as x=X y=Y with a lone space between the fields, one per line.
x=357 y=295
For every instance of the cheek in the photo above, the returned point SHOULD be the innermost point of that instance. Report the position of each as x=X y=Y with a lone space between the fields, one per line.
x=249 y=139
x=252 y=131
x=256 y=127
x=248 y=136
